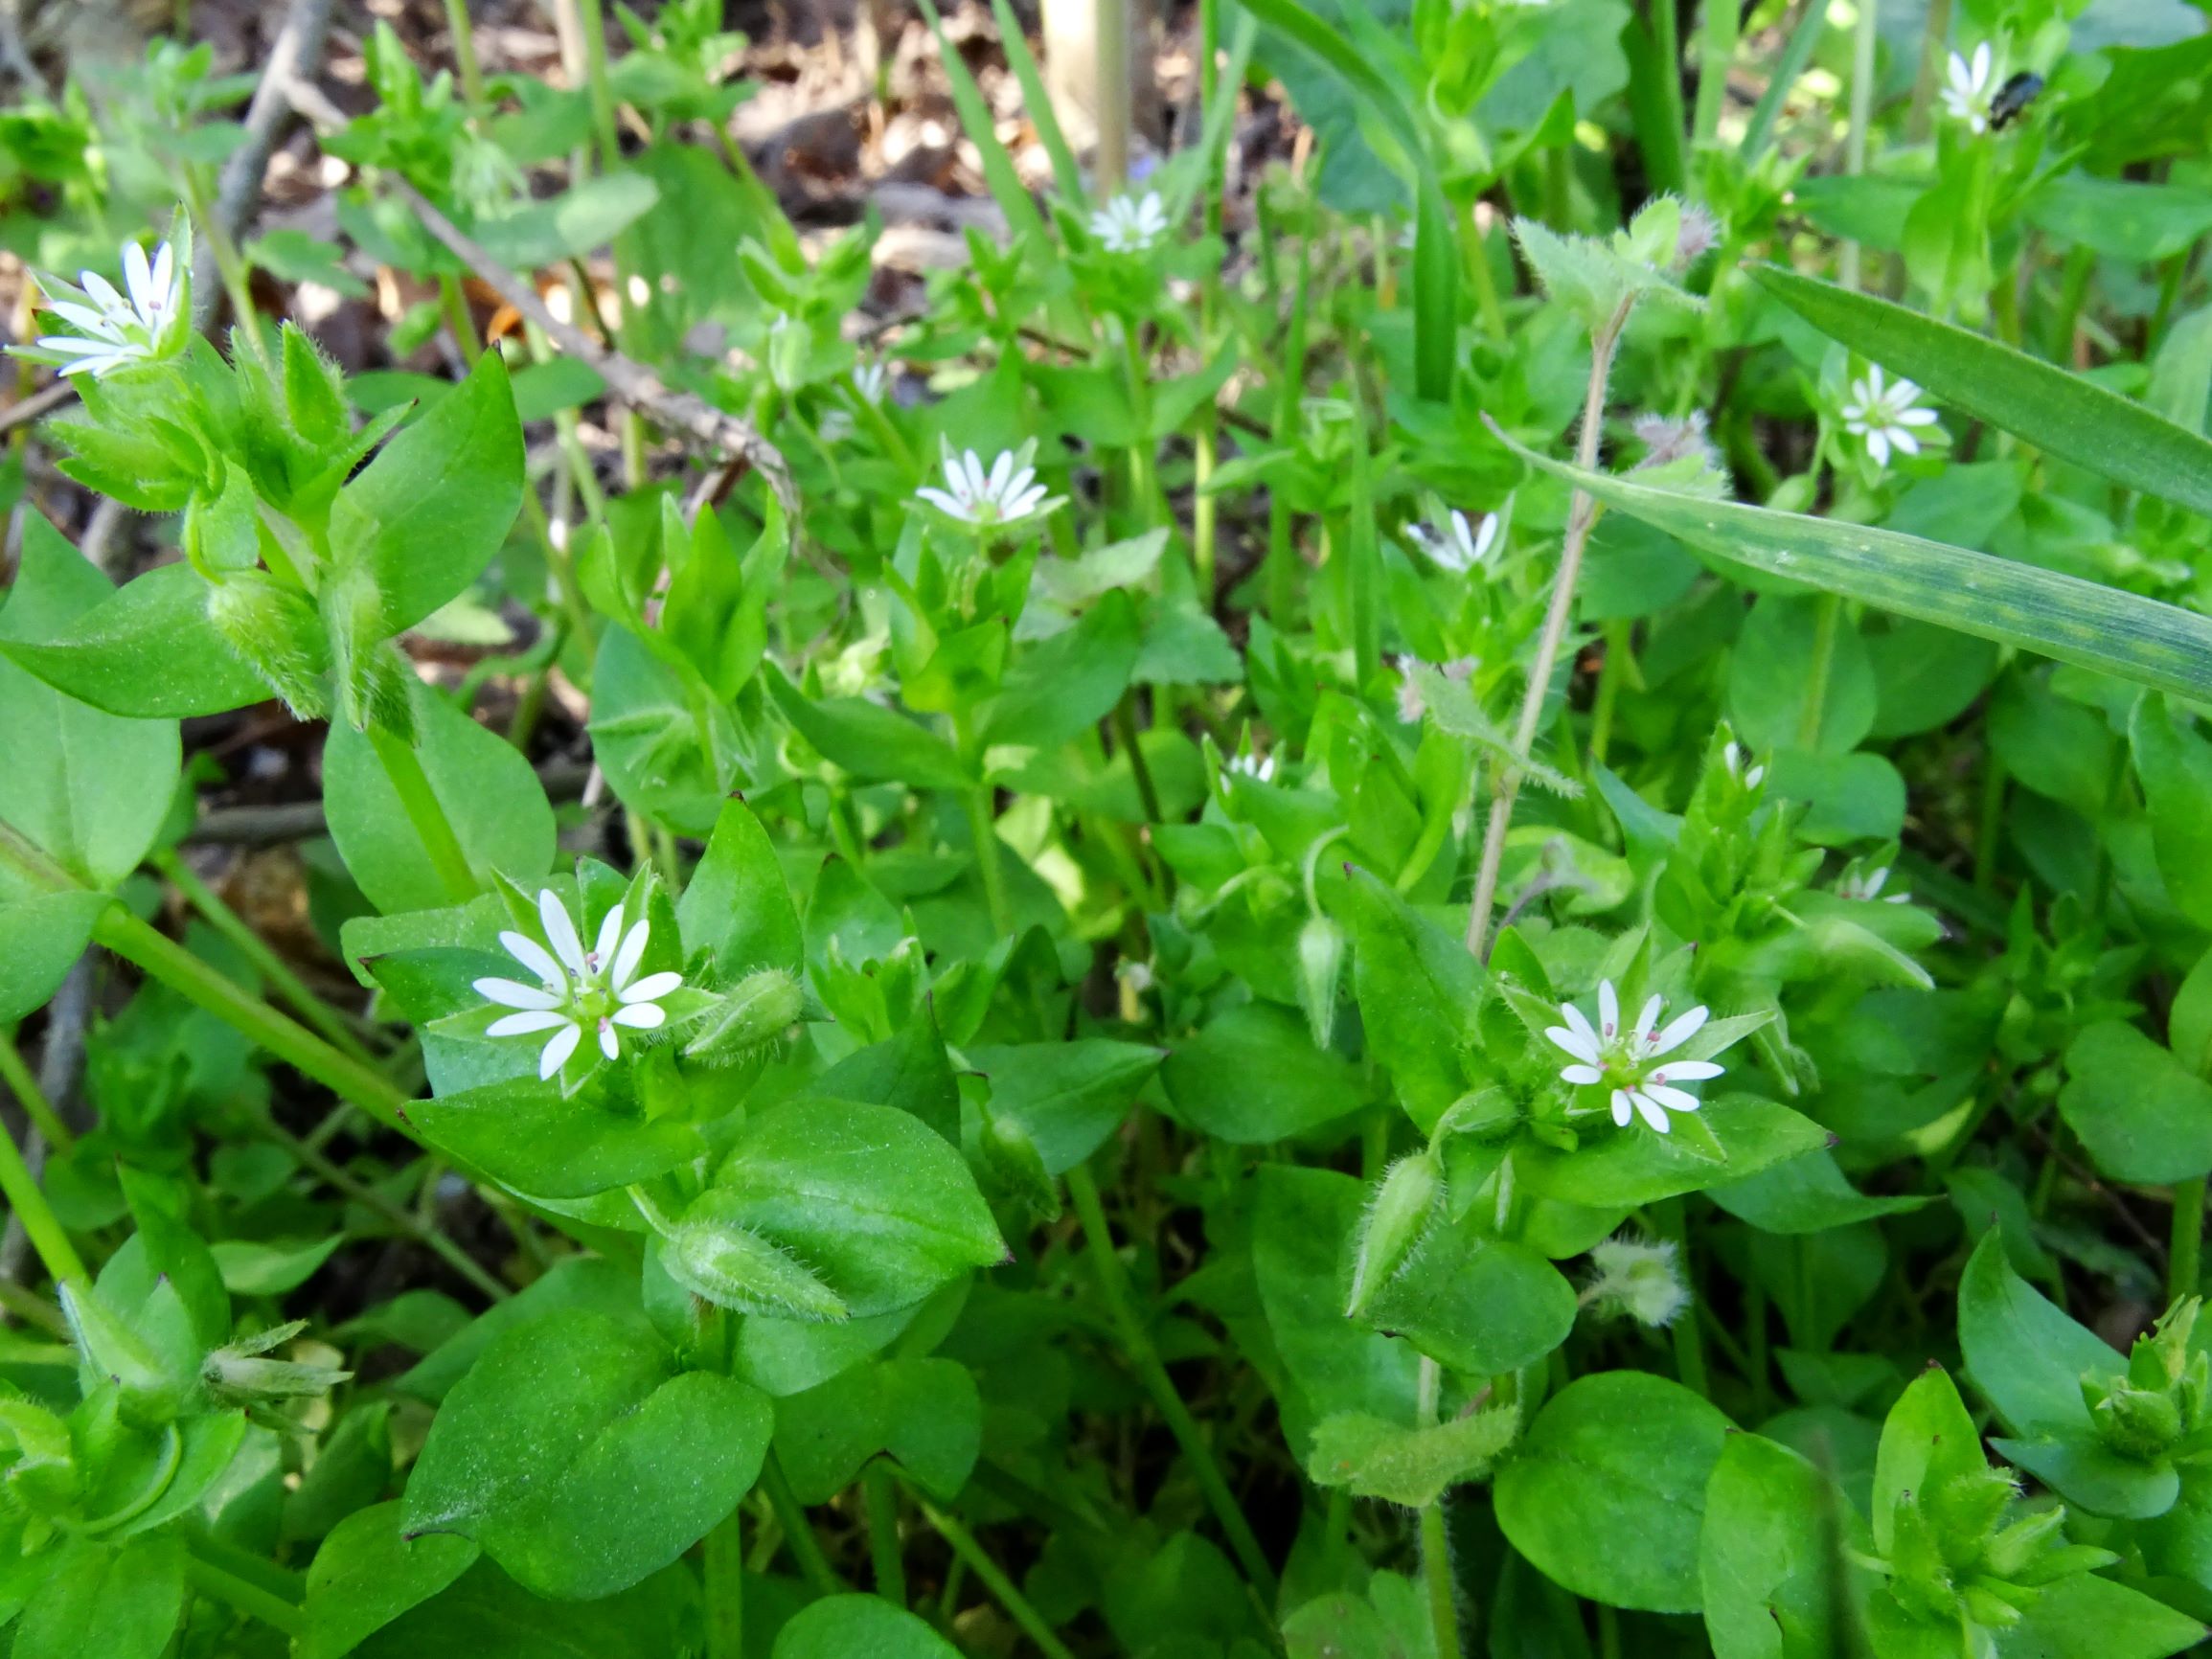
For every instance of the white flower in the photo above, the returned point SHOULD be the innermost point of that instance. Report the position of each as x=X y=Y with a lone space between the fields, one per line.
x=1260 y=768
x=1631 y=1063
x=118 y=328
x=1732 y=757
x=1865 y=885
x=578 y=987
x=1004 y=496
x=1136 y=975
x=1884 y=414
x=1131 y=226
x=870 y=379
x=1971 y=88
x=1456 y=545
x=1411 y=705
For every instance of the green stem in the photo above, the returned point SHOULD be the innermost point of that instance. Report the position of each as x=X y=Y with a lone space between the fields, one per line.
x=403 y=767
x=1619 y=642
x=230 y=265
x=1689 y=1340
x=326 y=1021
x=882 y=1501
x=464 y=61
x=251 y=1600
x=1667 y=42
x=977 y=1561
x=2185 y=1265
x=165 y=960
x=725 y=1585
x=1862 y=117
x=1115 y=100
x=591 y=23
x=1718 y=31
x=806 y=1548
x=1125 y=731
x=41 y=1225
x=983 y=830
x=457 y=320
x=1826 y=623
x=1436 y=1536
x=1137 y=1344
x=1990 y=821
x=23 y=1084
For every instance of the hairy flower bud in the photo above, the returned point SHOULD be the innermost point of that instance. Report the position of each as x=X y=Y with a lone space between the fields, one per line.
x=1640 y=1278
x=277 y=633
x=241 y=1369
x=1395 y=1222
x=711 y=1252
x=1320 y=970
x=757 y=1010
x=108 y=1348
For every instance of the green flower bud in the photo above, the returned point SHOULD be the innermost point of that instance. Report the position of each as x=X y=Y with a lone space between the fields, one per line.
x=278 y=634
x=2137 y=1422
x=41 y=1472
x=1015 y=1165
x=1395 y=1222
x=240 y=1370
x=714 y=1254
x=107 y=1348
x=757 y=1010
x=1321 y=968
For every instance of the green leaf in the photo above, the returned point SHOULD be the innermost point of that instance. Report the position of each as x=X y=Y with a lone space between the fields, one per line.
x=1413 y=1467
x=2086 y=1472
x=541 y=1142
x=736 y=906
x=1068 y=1097
x=867 y=1197
x=366 y=1573
x=848 y=1626
x=868 y=741
x=576 y=1282
x=925 y=1414
x=255 y=1269
x=490 y=796
x=1619 y=1170
x=1064 y=686
x=1777 y=1558
x=484 y=1614
x=2176 y=767
x=579 y=220
x=89 y=787
x=2062 y=414
x=1253 y=1075
x=1805 y=1195
x=433 y=509
x=569 y=1421
x=148 y=649
x=1417 y=988
x=2026 y=1355
x=1927 y=1440
x=2085 y=1617
x=1484 y=1306
x=2140 y=1114
x=41 y=937
x=99 y=1603
x=1606 y=1495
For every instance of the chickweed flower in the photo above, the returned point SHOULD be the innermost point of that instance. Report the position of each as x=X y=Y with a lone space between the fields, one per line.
x=1632 y=1064
x=1732 y=757
x=1969 y=88
x=1867 y=884
x=1637 y=1278
x=1260 y=768
x=1454 y=544
x=115 y=329
x=579 y=989
x=1130 y=225
x=1006 y=494
x=1885 y=413
x=871 y=379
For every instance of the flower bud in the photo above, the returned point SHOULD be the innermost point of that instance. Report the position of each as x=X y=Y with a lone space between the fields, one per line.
x=1320 y=970
x=2134 y=1422
x=278 y=634
x=712 y=1253
x=107 y=1347
x=41 y=1474
x=1403 y=1203
x=1640 y=1278
x=757 y=1010
x=240 y=1370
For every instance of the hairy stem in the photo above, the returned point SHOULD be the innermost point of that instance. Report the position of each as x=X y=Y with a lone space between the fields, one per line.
x=403 y=767
x=41 y=1225
x=1436 y=1537
x=725 y=1585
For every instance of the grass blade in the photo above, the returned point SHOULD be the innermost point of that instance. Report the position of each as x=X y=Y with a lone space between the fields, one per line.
x=2063 y=616
x=1066 y=176
x=998 y=170
x=2060 y=414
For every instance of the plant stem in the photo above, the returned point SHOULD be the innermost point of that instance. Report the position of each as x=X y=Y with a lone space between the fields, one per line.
x=977 y=1561
x=806 y=1548
x=229 y=263
x=23 y=1084
x=165 y=960
x=41 y=1225
x=1581 y=514
x=1717 y=35
x=464 y=63
x=1689 y=1340
x=591 y=24
x=1862 y=41
x=2186 y=1263
x=251 y=1600
x=1110 y=61
x=1436 y=1536
x=327 y=1022
x=1137 y=1344
x=881 y=1500
x=1826 y=620
x=726 y=1584
x=403 y=767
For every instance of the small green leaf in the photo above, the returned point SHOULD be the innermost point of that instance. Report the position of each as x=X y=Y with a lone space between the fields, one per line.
x=2139 y=1113
x=1413 y=1467
x=925 y=1414
x=848 y=1626
x=366 y=1573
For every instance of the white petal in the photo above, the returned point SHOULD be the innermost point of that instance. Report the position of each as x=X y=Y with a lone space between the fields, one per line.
x=1918 y=417
x=609 y=1044
x=1650 y=1110
x=1687 y=1071
x=1645 y=1021
x=522 y=1024
x=1580 y=1075
x=1575 y=1043
x=1621 y=1112
x=1877 y=446
x=138 y=279
x=1672 y=1098
x=644 y=1016
x=650 y=988
x=1608 y=1010
x=1001 y=475
x=164 y=279
x=603 y=948
x=626 y=959
x=1679 y=1031
x=556 y=1052
x=535 y=957
x=1981 y=66
x=509 y=993
x=1904 y=441
x=104 y=294
x=1578 y=1023
x=560 y=931
x=943 y=502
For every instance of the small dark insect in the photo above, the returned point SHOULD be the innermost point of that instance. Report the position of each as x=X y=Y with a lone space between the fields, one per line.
x=2013 y=98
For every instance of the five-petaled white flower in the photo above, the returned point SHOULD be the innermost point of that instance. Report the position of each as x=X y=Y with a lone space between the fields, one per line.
x=118 y=328
x=1970 y=87
x=1885 y=412
x=1632 y=1064
x=1004 y=496
x=1130 y=225
x=578 y=987
x=1456 y=545
x=1866 y=885
x=1732 y=757
x=1260 y=768
x=869 y=379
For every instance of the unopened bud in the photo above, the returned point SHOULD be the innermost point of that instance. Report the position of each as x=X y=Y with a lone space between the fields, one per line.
x=278 y=634
x=107 y=1347
x=41 y=1473
x=1640 y=1278
x=714 y=1254
x=1403 y=1203
x=1320 y=970
x=757 y=1010
x=2134 y=1422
